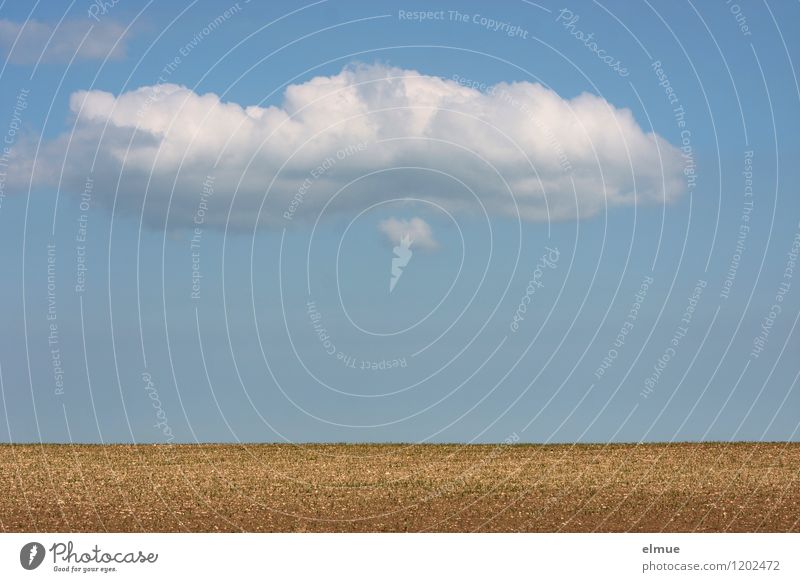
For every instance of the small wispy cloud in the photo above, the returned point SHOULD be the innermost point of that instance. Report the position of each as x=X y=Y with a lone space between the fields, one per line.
x=417 y=230
x=32 y=41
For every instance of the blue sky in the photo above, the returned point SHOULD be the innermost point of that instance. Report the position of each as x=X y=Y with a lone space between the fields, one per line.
x=531 y=152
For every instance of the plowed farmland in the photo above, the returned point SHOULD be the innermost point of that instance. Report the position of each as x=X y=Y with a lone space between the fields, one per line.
x=332 y=488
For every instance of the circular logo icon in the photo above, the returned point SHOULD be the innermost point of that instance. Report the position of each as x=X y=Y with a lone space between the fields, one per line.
x=31 y=555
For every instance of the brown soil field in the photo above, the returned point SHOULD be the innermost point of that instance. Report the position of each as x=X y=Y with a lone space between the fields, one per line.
x=742 y=487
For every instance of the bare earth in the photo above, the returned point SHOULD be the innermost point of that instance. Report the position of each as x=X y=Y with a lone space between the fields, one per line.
x=680 y=487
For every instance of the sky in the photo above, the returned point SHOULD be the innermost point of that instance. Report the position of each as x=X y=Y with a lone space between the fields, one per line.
x=399 y=221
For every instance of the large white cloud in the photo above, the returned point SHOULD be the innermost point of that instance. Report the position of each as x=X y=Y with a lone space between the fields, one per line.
x=514 y=147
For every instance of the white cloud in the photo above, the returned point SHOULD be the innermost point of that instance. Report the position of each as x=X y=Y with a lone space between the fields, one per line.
x=26 y=42
x=518 y=147
x=419 y=232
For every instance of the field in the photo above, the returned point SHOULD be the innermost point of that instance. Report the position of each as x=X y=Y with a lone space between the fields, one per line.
x=678 y=487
